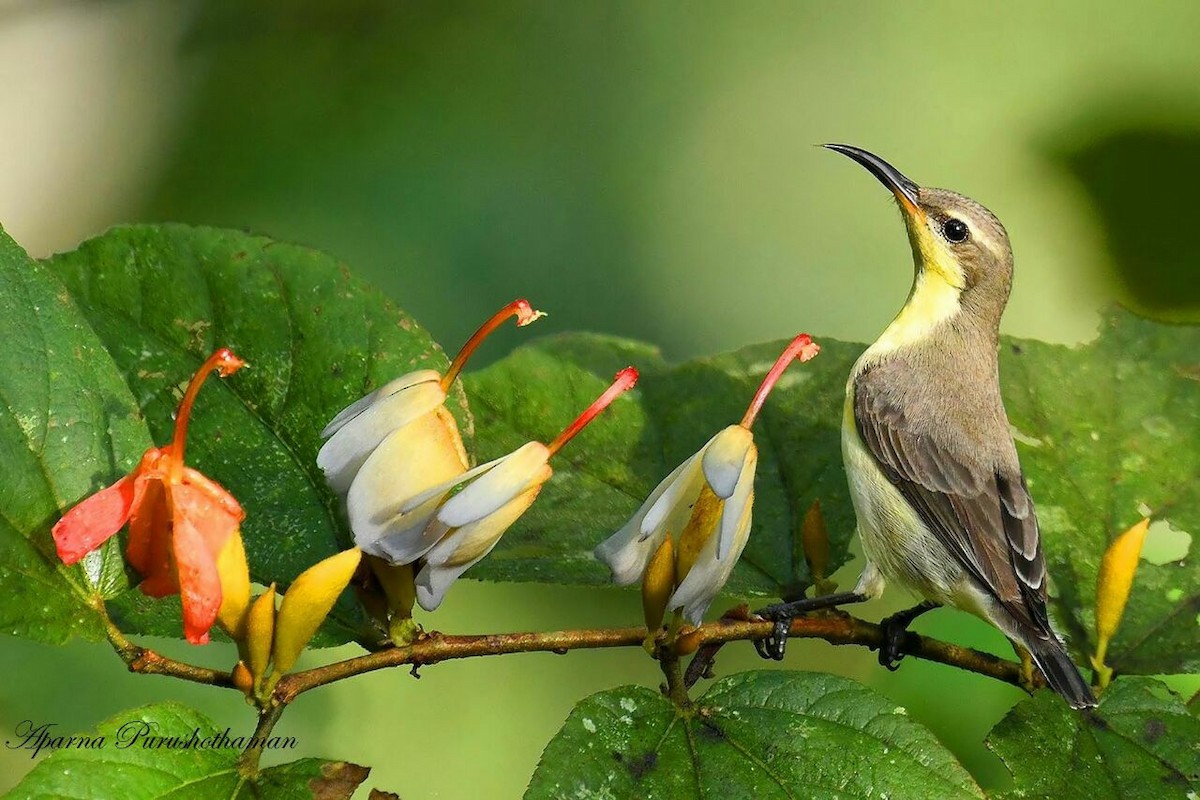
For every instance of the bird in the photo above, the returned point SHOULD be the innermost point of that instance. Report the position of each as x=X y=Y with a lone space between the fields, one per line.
x=942 y=506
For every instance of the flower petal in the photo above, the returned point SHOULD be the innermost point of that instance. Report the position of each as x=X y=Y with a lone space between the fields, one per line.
x=353 y=441
x=679 y=491
x=93 y=521
x=391 y=494
x=213 y=520
x=391 y=387
x=709 y=574
x=724 y=458
x=628 y=550
x=743 y=496
x=519 y=471
x=465 y=547
x=149 y=547
x=199 y=580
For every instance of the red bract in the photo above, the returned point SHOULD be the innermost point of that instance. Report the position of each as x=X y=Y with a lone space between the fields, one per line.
x=178 y=519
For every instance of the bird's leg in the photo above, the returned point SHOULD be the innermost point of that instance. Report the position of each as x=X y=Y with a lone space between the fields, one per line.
x=1026 y=660
x=895 y=631
x=782 y=614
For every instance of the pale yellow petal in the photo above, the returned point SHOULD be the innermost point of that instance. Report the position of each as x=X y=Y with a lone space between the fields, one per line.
x=516 y=474
x=466 y=546
x=628 y=550
x=709 y=574
x=735 y=507
x=344 y=454
x=725 y=457
x=422 y=455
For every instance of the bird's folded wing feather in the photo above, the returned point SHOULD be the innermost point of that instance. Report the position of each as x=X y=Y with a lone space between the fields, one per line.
x=982 y=513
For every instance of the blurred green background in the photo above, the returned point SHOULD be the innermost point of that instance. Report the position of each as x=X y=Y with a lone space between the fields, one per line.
x=639 y=169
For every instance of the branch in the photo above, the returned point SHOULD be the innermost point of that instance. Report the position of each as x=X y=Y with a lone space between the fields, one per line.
x=147 y=662
x=267 y=717
x=838 y=628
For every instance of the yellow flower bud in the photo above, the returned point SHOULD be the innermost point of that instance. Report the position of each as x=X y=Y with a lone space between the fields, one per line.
x=260 y=633
x=306 y=604
x=1112 y=590
x=235 y=586
x=658 y=584
x=397 y=583
x=242 y=679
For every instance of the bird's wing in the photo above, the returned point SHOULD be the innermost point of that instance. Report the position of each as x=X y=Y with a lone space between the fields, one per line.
x=982 y=514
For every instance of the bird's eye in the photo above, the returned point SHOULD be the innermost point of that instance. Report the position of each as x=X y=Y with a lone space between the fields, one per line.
x=955 y=230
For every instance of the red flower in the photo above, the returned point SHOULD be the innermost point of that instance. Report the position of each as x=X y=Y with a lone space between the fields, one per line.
x=178 y=519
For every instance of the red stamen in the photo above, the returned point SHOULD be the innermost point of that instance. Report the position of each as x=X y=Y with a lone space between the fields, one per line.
x=525 y=315
x=802 y=348
x=623 y=382
x=225 y=363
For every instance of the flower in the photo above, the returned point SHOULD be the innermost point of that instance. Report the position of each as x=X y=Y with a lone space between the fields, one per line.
x=179 y=519
x=453 y=524
x=698 y=517
x=377 y=422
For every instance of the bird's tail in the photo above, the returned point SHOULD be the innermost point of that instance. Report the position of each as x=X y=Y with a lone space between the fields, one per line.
x=1061 y=673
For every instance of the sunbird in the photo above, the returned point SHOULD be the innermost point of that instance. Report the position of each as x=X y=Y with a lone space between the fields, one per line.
x=943 y=508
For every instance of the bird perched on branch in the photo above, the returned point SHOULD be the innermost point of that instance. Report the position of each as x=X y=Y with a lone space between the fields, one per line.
x=942 y=506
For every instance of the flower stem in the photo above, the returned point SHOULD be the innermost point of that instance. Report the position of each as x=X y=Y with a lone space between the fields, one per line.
x=225 y=362
x=519 y=308
x=802 y=348
x=622 y=382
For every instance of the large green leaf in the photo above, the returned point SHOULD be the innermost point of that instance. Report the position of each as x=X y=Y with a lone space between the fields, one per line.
x=604 y=475
x=761 y=735
x=1140 y=743
x=1110 y=432
x=68 y=425
x=191 y=759
x=163 y=298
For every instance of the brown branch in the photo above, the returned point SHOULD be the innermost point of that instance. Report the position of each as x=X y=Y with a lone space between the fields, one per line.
x=267 y=717
x=147 y=662
x=836 y=628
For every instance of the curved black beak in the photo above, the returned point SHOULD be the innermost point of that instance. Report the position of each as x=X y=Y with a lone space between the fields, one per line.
x=904 y=189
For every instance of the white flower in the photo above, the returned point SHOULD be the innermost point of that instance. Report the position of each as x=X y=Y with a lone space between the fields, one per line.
x=698 y=517
x=706 y=505
x=355 y=433
x=400 y=440
x=413 y=500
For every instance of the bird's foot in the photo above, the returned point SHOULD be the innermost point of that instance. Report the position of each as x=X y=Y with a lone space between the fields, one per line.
x=895 y=634
x=774 y=644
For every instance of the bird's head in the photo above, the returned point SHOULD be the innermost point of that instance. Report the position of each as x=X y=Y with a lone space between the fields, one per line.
x=957 y=244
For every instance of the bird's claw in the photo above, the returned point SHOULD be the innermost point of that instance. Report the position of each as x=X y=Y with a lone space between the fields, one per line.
x=774 y=644
x=895 y=635
x=891 y=652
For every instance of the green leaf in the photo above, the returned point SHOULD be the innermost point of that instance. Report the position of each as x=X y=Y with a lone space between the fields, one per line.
x=192 y=760
x=604 y=475
x=68 y=425
x=762 y=735
x=1109 y=432
x=163 y=298
x=1139 y=743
